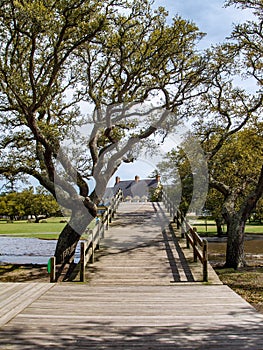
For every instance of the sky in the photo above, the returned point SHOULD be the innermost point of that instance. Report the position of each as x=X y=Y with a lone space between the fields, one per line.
x=211 y=18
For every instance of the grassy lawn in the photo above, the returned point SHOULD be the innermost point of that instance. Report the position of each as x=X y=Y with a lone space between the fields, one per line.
x=50 y=229
x=209 y=228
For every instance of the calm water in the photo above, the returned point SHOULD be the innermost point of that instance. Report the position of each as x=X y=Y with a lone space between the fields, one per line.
x=38 y=251
x=253 y=249
x=27 y=250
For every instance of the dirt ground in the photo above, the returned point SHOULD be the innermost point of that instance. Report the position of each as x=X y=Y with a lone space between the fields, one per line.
x=23 y=273
x=247 y=282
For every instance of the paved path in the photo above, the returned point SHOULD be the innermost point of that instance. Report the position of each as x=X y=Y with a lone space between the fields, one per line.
x=139 y=296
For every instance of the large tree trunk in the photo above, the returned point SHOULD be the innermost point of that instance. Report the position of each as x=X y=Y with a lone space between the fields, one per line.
x=235 y=255
x=70 y=236
x=66 y=245
x=236 y=220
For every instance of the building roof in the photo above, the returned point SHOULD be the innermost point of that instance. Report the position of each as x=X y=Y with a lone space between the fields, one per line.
x=133 y=188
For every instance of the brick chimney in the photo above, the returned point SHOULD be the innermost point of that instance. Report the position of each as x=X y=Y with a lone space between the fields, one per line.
x=137 y=178
x=117 y=180
x=158 y=178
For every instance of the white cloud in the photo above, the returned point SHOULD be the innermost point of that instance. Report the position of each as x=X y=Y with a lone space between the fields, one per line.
x=209 y=15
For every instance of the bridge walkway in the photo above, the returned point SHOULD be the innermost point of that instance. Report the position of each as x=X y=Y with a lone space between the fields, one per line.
x=140 y=249
x=139 y=295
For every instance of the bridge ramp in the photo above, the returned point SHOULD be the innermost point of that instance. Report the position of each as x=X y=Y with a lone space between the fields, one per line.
x=138 y=296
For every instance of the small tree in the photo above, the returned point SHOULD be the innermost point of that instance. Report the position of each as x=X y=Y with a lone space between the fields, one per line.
x=27 y=203
x=40 y=204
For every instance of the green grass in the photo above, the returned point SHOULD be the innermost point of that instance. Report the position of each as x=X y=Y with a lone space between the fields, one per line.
x=52 y=227
x=209 y=229
x=43 y=230
x=254 y=228
x=49 y=230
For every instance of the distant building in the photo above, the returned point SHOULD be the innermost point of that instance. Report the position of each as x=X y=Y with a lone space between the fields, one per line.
x=134 y=190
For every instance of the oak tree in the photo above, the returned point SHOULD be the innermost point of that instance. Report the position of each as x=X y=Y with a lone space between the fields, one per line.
x=221 y=113
x=110 y=55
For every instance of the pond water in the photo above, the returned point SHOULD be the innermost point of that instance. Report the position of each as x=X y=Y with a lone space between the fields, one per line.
x=18 y=250
x=253 y=248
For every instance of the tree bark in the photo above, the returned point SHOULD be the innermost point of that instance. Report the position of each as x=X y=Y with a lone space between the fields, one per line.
x=66 y=245
x=235 y=254
x=219 y=226
x=70 y=236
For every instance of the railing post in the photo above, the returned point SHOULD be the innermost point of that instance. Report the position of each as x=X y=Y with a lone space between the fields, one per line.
x=183 y=229
x=82 y=261
x=110 y=215
x=107 y=219
x=92 y=247
x=102 y=231
x=100 y=227
x=205 y=260
x=174 y=213
x=195 y=243
x=52 y=269
x=187 y=241
x=178 y=219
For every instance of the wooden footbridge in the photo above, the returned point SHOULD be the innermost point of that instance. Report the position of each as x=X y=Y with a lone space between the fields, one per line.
x=144 y=290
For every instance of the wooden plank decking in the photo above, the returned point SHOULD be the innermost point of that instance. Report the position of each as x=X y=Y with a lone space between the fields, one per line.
x=140 y=248
x=15 y=297
x=138 y=296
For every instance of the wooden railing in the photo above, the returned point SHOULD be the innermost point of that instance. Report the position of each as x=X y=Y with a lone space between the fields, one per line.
x=199 y=245
x=88 y=246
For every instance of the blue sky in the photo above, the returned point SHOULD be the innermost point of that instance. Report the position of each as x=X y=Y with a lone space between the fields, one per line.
x=212 y=18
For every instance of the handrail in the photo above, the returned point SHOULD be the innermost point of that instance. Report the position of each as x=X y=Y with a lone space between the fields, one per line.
x=190 y=233
x=87 y=250
x=197 y=243
x=88 y=247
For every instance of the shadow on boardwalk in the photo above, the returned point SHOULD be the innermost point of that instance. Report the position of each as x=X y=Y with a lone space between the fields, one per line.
x=132 y=301
x=104 y=335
